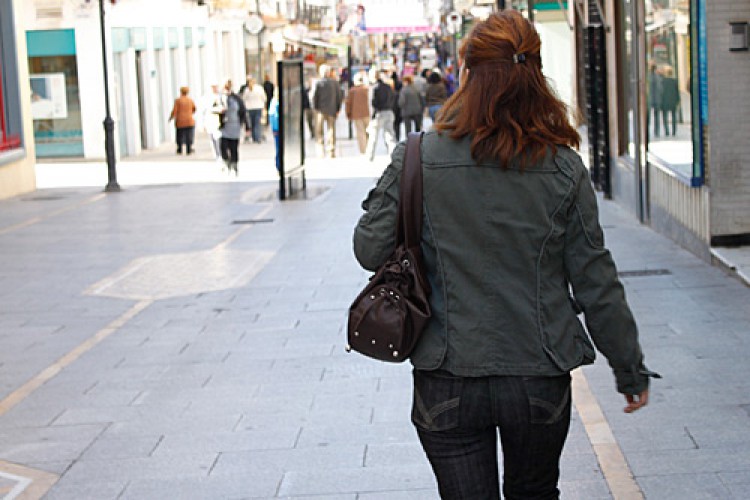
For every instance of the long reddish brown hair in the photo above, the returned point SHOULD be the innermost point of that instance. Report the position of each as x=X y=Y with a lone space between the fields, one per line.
x=504 y=101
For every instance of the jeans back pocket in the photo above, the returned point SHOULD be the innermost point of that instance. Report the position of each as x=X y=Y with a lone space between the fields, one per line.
x=549 y=398
x=436 y=401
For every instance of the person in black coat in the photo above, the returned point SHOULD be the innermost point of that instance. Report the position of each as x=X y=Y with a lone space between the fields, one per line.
x=268 y=88
x=654 y=98
x=670 y=99
x=397 y=119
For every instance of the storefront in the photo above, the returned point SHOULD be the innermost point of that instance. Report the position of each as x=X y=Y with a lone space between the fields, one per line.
x=16 y=149
x=658 y=165
x=55 y=102
x=10 y=119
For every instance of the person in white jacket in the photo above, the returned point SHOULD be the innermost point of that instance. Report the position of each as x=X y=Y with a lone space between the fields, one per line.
x=254 y=98
x=211 y=108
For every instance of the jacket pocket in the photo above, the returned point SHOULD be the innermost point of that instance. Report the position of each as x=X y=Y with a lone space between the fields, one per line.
x=589 y=353
x=436 y=400
x=549 y=398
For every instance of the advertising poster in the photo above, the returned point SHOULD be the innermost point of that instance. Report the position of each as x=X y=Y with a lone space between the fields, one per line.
x=48 y=96
x=396 y=16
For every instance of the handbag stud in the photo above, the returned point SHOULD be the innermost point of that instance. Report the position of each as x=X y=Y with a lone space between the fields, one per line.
x=373 y=341
x=395 y=354
x=348 y=348
x=356 y=334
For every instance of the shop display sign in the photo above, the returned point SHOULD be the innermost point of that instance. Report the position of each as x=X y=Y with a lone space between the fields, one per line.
x=48 y=96
x=396 y=16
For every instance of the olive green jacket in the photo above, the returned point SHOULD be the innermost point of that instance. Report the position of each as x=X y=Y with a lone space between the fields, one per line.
x=501 y=247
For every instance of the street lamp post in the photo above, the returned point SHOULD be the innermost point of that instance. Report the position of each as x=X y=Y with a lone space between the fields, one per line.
x=501 y=4
x=109 y=124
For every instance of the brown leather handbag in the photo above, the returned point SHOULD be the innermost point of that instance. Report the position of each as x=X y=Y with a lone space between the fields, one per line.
x=388 y=316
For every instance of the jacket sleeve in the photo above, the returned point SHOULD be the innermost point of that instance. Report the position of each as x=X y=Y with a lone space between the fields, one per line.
x=375 y=233
x=593 y=276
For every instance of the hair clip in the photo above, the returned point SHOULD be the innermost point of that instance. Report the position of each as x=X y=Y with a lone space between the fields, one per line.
x=519 y=58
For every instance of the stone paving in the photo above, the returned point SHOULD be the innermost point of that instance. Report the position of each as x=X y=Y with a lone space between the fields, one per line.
x=152 y=348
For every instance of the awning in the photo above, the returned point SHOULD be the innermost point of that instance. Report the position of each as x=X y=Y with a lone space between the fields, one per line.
x=315 y=43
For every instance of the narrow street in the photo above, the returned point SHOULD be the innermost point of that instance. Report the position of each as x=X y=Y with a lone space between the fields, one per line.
x=184 y=339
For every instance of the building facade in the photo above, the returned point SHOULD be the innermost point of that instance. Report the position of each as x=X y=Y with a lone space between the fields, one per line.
x=149 y=57
x=660 y=83
x=16 y=135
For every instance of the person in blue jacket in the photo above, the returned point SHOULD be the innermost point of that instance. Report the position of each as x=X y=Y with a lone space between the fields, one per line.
x=273 y=117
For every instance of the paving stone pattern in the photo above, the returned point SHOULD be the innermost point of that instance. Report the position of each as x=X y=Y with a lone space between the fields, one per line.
x=241 y=389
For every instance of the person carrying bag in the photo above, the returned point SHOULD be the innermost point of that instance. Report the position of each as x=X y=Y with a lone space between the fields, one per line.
x=510 y=228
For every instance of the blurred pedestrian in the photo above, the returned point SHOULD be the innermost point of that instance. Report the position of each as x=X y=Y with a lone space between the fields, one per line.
x=412 y=106
x=435 y=95
x=268 y=88
x=420 y=81
x=254 y=99
x=382 y=116
x=273 y=119
x=233 y=117
x=309 y=112
x=397 y=85
x=449 y=80
x=670 y=99
x=513 y=228
x=211 y=108
x=358 y=109
x=327 y=101
x=184 y=121
x=654 y=97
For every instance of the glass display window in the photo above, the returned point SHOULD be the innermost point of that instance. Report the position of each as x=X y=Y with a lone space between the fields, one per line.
x=668 y=78
x=55 y=106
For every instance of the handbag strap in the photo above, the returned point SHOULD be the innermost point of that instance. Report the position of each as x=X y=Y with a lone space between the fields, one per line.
x=409 y=224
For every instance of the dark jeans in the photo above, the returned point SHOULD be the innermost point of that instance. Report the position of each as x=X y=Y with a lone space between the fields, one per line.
x=457 y=419
x=415 y=120
x=397 y=125
x=665 y=114
x=656 y=113
x=253 y=118
x=229 y=149
x=185 y=136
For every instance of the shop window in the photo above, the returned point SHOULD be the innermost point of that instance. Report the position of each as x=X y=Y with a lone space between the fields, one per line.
x=629 y=90
x=668 y=78
x=55 y=99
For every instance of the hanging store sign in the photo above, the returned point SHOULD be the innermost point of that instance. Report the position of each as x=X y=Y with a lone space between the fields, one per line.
x=397 y=16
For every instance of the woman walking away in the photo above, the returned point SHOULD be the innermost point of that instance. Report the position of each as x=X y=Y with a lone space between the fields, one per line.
x=184 y=122
x=233 y=117
x=435 y=95
x=411 y=105
x=511 y=230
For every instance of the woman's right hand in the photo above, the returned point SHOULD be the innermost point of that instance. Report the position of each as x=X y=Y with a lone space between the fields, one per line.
x=635 y=402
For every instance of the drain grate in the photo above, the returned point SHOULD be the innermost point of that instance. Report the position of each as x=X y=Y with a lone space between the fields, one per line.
x=643 y=272
x=161 y=186
x=44 y=198
x=252 y=221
